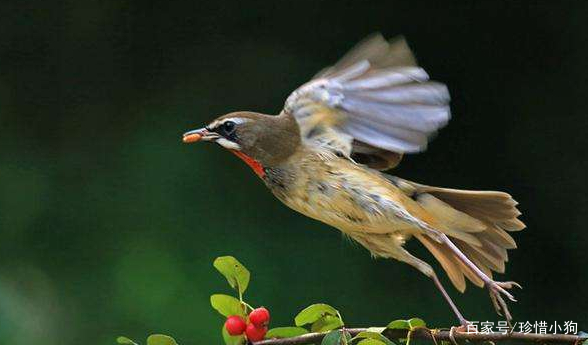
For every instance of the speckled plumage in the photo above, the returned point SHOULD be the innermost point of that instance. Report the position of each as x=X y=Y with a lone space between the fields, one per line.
x=337 y=192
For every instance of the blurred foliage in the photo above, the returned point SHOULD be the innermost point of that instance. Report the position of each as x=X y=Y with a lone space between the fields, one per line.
x=108 y=224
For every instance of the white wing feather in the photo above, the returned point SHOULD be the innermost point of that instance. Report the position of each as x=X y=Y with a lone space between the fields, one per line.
x=374 y=100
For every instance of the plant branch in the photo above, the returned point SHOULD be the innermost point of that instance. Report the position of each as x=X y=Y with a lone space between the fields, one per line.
x=436 y=335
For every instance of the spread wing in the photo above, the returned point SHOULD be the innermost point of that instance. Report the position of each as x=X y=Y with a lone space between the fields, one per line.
x=374 y=105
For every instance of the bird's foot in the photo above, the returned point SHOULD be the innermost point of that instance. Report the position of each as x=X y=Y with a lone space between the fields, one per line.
x=497 y=290
x=463 y=328
x=463 y=325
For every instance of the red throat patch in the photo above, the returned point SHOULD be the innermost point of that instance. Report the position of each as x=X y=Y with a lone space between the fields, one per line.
x=255 y=165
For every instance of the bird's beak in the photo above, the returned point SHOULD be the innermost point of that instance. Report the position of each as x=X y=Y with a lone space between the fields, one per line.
x=201 y=134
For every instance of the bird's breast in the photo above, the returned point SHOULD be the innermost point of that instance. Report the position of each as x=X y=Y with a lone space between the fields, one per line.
x=341 y=194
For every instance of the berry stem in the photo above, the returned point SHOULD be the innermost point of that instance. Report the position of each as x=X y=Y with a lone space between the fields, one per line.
x=247 y=306
x=340 y=317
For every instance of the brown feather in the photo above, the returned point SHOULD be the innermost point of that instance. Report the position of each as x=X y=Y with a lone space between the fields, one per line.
x=447 y=261
x=501 y=237
x=470 y=274
x=512 y=225
x=485 y=262
x=454 y=219
x=493 y=214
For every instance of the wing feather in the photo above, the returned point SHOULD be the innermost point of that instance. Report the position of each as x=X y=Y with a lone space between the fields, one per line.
x=374 y=100
x=376 y=79
x=424 y=118
x=431 y=93
x=378 y=137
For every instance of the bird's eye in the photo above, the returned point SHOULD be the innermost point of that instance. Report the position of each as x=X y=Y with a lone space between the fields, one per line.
x=229 y=127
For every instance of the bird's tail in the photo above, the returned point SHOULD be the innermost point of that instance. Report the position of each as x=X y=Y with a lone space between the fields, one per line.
x=478 y=223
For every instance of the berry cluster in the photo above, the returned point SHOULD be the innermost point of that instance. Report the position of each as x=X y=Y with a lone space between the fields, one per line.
x=255 y=330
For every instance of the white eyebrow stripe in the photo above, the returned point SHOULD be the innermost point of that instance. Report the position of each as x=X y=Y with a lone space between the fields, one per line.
x=237 y=120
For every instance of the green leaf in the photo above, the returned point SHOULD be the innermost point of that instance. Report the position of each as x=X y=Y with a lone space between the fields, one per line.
x=375 y=336
x=285 y=332
x=160 y=339
x=416 y=322
x=227 y=305
x=399 y=324
x=370 y=341
x=237 y=275
x=411 y=324
x=326 y=323
x=334 y=338
x=232 y=340
x=314 y=312
x=125 y=341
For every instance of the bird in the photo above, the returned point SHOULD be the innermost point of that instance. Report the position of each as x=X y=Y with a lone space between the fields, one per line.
x=328 y=153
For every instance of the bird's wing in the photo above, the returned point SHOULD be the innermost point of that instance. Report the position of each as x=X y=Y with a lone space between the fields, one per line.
x=374 y=105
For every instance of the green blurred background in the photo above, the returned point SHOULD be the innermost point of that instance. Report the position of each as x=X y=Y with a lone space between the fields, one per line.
x=109 y=224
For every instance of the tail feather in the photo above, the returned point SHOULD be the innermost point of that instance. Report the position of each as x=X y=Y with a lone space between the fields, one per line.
x=511 y=225
x=447 y=260
x=478 y=223
x=488 y=254
x=454 y=268
x=487 y=266
x=500 y=237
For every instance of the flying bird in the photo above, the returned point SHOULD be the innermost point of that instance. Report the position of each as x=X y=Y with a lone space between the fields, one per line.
x=324 y=155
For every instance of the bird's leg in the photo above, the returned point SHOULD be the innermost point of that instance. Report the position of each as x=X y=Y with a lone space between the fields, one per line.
x=496 y=289
x=405 y=256
x=462 y=320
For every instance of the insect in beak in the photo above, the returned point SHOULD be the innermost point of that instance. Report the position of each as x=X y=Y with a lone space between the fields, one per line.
x=201 y=134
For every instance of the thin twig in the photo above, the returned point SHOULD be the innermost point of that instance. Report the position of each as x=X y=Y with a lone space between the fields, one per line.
x=422 y=333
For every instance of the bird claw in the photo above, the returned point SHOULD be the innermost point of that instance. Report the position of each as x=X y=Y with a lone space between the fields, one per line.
x=509 y=285
x=495 y=304
x=497 y=290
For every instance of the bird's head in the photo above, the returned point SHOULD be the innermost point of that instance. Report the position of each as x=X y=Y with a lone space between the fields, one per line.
x=261 y=140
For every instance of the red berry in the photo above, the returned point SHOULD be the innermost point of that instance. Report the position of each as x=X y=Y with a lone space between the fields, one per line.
x=254 y=333
x=235 y=325
x=259 y=317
